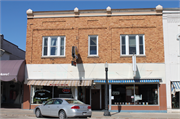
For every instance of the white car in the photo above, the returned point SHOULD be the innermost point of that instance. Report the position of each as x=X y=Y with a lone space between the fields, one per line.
x=63 y=108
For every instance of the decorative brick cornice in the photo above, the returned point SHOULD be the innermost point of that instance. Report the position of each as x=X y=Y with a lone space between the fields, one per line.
x=91 y=13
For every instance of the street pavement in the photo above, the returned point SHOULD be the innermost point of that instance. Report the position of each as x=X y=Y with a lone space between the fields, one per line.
x=28 y=114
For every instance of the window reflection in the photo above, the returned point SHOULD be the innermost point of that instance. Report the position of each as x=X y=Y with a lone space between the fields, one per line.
x=135 y=94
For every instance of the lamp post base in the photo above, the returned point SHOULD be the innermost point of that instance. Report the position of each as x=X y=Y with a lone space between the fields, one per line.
x=107 y=113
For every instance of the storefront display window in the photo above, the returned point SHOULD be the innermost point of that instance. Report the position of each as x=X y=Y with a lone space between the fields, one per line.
x=135 y=94
x=41 y=94
x=62 y=92
x=176 y=101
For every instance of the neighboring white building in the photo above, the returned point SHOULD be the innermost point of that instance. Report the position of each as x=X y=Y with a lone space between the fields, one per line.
x=12 y=66
x=171 y=27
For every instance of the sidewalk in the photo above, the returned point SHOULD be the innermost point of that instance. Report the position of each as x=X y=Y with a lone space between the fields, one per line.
x=15 y=113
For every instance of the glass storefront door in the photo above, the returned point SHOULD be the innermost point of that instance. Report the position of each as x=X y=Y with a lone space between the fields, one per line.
x=176 y=100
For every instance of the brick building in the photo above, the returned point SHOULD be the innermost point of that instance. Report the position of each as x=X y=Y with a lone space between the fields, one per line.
x=100 y=36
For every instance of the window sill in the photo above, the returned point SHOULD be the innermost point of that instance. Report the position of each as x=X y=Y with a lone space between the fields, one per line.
x=53 y=56
x=132 y=55
x=93 y=56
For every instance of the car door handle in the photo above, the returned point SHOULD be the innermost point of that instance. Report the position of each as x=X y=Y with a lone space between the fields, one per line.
x=48 y=106
x=57 y=106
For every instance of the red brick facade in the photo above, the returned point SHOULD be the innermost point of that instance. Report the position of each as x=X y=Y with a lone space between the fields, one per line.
x=108 y=30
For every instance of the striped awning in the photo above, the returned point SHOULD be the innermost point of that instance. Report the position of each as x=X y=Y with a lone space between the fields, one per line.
x=129 y=81
x=175 y=87
x=60 y=83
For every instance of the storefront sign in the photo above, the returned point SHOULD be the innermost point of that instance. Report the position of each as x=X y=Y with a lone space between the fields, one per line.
x=75 y=52
x=134 y=65
x=43 y=90
x=42 y=94
x=66 y=90
x=58 y=84
x=115 y=93
x=138 y=97
x=128 y=92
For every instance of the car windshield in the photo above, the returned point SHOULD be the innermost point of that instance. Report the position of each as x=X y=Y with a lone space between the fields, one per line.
x=74 y=101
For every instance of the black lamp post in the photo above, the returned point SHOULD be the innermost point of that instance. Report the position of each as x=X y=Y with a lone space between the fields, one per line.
x=106 y=112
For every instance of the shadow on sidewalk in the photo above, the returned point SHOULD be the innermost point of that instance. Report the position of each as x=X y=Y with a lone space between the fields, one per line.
x=119 y=110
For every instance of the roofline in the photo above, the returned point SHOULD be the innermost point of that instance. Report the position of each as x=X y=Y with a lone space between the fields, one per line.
x=11 y=43
x=98 y=12
x=94 y=10
x=171 y=9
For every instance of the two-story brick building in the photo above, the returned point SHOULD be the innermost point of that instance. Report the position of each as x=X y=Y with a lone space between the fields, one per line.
x=109 y=35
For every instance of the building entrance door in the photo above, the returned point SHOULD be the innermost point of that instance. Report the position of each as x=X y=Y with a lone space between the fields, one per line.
x=87 y=96
x=95 y=99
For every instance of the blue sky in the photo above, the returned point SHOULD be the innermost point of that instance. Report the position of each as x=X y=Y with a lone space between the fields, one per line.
x=14 y=20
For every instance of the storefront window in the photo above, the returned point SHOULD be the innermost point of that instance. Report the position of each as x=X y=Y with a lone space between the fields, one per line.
x=41 y=94
x=62 y=92
x=176 y=101
x=135 y=94
x=146 y=94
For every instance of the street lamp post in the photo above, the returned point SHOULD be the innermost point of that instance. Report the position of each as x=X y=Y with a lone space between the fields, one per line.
x=106 y=112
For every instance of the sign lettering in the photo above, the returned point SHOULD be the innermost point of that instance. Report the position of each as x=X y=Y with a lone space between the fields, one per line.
x=66 y=90
x=58 y=84
x=4 y=74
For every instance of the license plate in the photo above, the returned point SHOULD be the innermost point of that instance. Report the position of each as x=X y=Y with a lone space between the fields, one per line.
x=84 y=113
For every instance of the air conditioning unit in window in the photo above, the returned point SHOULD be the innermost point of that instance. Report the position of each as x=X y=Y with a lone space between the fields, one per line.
x=178 y=36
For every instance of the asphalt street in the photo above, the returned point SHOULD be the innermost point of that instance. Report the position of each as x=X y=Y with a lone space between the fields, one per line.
x=28 y=114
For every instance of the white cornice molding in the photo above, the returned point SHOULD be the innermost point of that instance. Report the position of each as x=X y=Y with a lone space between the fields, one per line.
x=92 y=13
x=171 y=12
x=96 y=15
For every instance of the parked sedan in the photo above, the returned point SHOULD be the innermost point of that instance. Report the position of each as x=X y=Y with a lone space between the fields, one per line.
x=63 y=108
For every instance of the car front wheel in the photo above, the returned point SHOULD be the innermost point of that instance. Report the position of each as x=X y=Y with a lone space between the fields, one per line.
x=62 y=115
x=38 y=113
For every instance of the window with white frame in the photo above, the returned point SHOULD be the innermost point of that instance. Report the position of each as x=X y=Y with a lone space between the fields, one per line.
x=132 y=44
x=53 y=46
x=93 y=45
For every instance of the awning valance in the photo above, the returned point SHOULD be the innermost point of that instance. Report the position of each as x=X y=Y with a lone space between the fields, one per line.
x=129 y=81
x=12 y=70
x=60 y=82
x=175 y=87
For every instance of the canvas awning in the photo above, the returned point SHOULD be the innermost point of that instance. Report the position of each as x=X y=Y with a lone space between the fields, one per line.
x=129 y=81
x=60 y=82
x=175 y=87
x=12 y=70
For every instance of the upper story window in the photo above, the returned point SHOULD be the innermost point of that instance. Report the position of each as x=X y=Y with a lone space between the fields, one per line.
x=53 y=46
x=93 y=45
x=132 y=44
